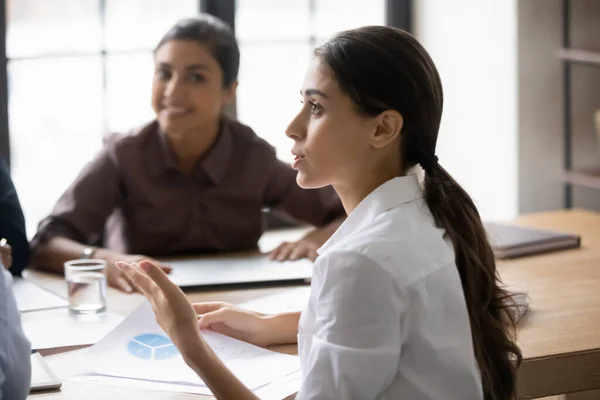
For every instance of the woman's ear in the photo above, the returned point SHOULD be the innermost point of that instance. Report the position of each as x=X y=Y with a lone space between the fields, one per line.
x=388 y=128
x=229 y=92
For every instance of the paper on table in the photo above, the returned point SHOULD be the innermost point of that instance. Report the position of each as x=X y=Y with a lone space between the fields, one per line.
x=31 y=297
x=56 y=328
x=287 y=301
x=276 y=390
x=139 y=349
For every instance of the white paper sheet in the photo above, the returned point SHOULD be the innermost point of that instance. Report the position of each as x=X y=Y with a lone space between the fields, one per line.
x=277 y=390
x=56 y=328
x=139 y=349
x=31 y=297
x=287 y=301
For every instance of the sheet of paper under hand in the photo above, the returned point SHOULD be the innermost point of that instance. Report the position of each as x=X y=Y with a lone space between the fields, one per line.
x=279 y=389
x=287 y=301
x=31 y=297
x=139 y=349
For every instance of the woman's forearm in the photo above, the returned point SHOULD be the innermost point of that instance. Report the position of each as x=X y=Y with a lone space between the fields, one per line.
x=220 y=380
x=282 y=328
x=53 y=253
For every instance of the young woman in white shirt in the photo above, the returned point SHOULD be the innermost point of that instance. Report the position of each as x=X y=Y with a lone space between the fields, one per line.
x=405 y=300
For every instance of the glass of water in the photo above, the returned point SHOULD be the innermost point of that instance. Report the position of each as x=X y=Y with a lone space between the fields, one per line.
x=86 y=283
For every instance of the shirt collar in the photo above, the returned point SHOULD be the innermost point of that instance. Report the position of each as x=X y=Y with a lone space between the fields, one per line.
x=213 y=164
x=389 y=195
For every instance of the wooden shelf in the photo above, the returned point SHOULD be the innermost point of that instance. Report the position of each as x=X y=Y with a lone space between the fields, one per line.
x=589 y=177
x=580 y=56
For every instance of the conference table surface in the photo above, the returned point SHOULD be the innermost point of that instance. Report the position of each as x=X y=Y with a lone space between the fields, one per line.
x=559 y=335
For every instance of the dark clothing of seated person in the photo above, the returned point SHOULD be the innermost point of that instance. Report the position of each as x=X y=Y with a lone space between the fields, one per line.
x=12 y=222
x=191 y=181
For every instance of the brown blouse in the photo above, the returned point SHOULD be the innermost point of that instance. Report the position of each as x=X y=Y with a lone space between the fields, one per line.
x=132 y=198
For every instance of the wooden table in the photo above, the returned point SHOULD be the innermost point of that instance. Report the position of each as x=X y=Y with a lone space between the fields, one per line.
x=559 y=336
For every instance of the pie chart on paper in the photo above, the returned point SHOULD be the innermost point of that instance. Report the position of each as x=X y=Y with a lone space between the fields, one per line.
x=152 y=347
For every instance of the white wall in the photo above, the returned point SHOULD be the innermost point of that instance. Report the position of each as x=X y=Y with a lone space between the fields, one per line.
x=474 y=45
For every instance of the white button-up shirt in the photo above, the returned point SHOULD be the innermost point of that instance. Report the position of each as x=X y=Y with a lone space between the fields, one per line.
x=387 y=317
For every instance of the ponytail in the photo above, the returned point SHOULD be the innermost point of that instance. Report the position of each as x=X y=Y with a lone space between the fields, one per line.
x=383 y=68
x=487 y=302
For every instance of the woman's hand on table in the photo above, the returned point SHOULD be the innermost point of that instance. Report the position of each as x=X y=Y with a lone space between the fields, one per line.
x=292 y=251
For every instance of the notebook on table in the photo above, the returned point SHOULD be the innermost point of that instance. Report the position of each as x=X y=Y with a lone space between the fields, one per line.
x=42 y=377
x=512 y=241
x=234 y=270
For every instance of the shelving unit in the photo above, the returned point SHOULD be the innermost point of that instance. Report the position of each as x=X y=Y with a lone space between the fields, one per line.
x=589 y=177
x=580 y=56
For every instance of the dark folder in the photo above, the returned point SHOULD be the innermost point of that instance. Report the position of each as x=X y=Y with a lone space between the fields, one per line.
x=512 y=241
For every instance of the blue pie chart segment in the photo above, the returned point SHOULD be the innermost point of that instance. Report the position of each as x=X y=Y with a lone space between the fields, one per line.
x=163 y=353
x=151 y=346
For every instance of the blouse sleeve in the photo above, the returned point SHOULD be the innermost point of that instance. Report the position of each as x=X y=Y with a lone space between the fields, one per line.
x=355 y=350
x=82 y=211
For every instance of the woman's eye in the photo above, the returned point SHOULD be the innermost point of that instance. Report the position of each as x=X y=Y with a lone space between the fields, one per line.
x=197 y=78
x=163 y=75
x=315 y=108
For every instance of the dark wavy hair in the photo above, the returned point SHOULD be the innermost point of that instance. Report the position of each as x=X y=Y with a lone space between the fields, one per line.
x=383 y=68
x=213 y=33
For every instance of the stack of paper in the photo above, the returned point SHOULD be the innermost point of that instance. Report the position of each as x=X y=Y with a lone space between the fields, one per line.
x=139 y=351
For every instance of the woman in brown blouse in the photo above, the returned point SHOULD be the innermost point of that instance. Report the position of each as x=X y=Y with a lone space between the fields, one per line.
x=191 y=181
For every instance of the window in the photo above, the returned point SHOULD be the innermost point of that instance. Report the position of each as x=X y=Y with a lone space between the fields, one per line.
x=78 y=69
x=276 y=41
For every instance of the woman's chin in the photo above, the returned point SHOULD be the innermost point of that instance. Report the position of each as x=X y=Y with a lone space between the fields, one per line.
x=173 y=127
x=305 y=181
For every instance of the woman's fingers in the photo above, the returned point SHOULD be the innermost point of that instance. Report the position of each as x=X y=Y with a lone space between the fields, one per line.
x=219 y=316
x=128 y=281
x=5 y=248
x=283 y=248
x=158 y=276
x=166 y=269
x=294 y=251
x=6 y=254
x=285 y=251
x=118 y=279
x=209 y=306
x=139 y=279
x=298 y=252
x=122 y=284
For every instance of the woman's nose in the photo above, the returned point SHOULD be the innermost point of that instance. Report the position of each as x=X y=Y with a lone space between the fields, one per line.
x=296 y=130
x=172 y=87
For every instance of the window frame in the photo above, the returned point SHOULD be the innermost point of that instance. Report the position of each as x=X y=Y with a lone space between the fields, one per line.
x=398 y=14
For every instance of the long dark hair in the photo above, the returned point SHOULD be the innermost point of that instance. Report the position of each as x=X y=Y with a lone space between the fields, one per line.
x=383 y=68
x=213 y=33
